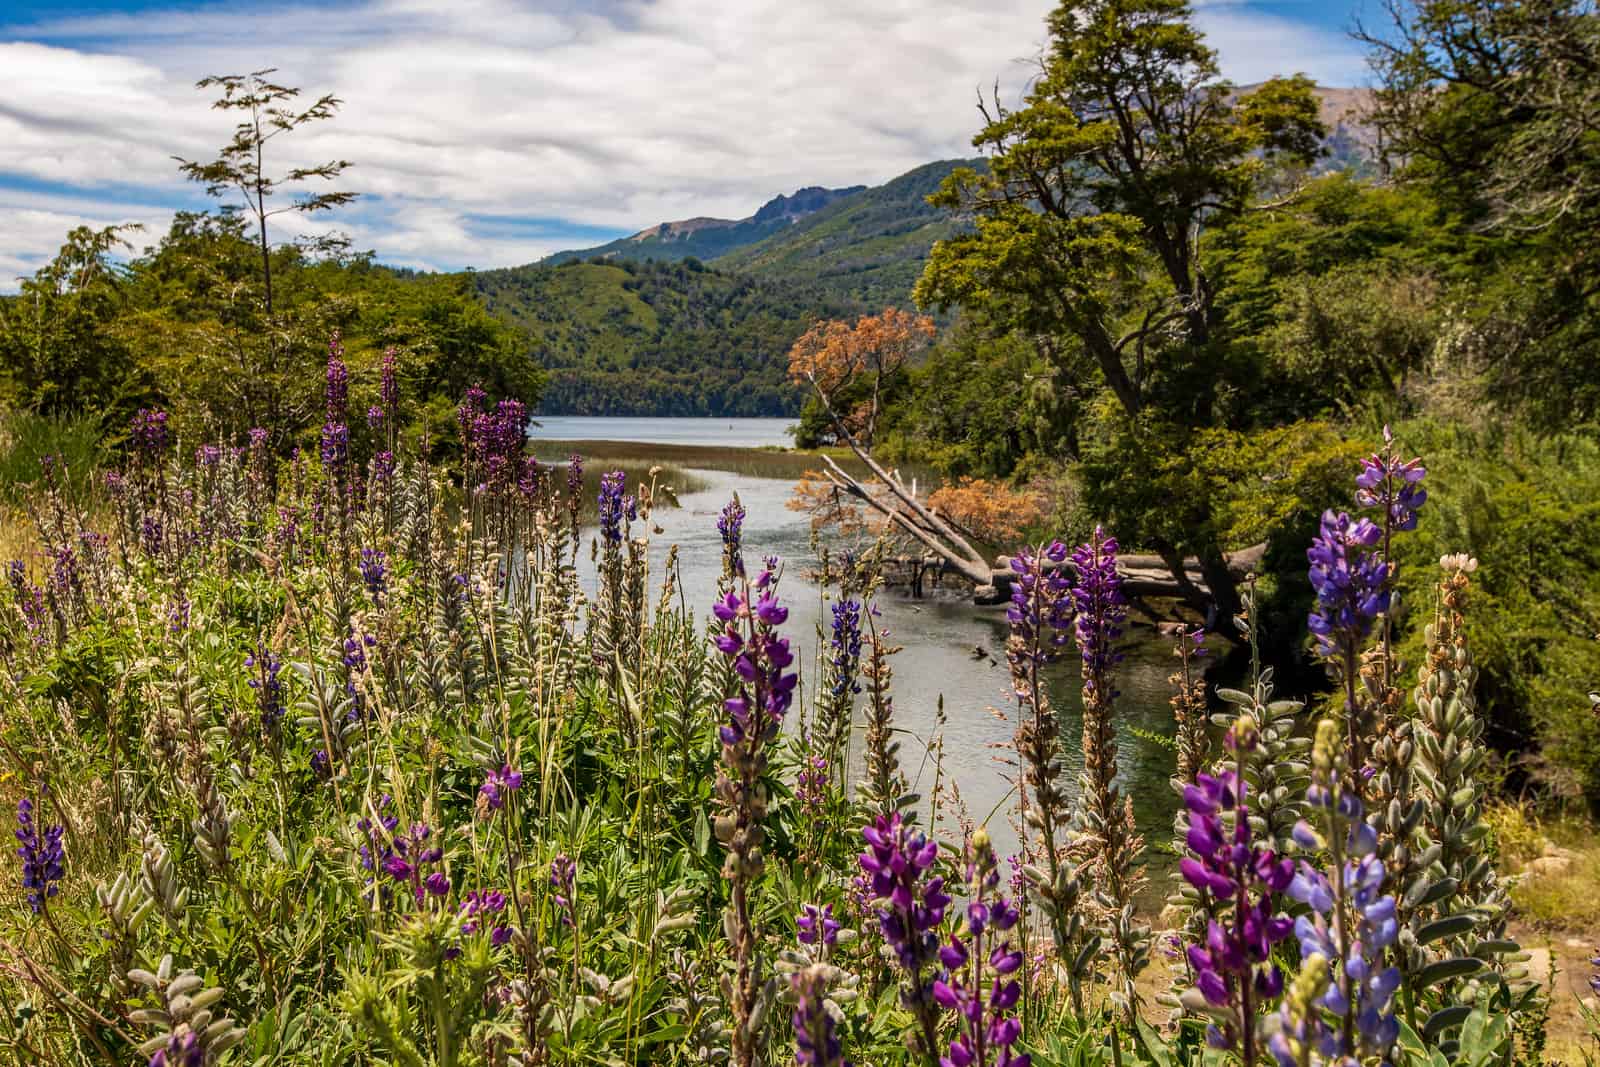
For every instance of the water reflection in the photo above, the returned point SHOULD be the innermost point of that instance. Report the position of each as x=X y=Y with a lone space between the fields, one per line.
x=939 y=635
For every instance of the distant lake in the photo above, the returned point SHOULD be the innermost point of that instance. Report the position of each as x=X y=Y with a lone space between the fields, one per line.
x=724 y=433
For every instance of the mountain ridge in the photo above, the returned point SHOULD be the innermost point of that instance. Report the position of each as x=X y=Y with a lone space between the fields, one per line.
x=705 y=236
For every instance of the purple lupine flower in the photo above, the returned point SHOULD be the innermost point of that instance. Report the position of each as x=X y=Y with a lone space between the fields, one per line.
x=383 y=466
x=42 y=857
x=379 y=845
x=374 y=571
x=979 y=964
x=482 y=903
x=531 y=479
x=335 y=445
x=321 y=766
x=388 y=381
x=178 y=614
x=258 y=438
x=1392 y=485
x=816 y=926
x=64 y=576
x=1101 y=607
x=574 y=476
x=910 y=906
x=152 y=536
x=759 y=661
x=467 y=416
x=181 y=1050
x=730 y=525
x=1351 y=922
x=613 y=525
x=1362 y=985
x=337 y=392
x=1239 y=884
x=270 y=689
x=374 y=417
x=1351 y=582
x=150 y=433
x=1594 y=978
x=564 y=880
x=844 y=650
x=207 y=456
x=29 y=598
x=816 y=1037
x=496 y=787
x=1041 y=608
x=408 y=861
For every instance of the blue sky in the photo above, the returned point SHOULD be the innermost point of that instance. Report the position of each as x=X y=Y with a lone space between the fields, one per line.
x=492 y=132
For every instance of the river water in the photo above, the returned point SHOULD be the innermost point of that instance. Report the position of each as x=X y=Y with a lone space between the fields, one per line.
x=941 y=635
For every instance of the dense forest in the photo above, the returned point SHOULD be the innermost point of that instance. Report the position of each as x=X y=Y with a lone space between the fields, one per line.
x=645 y=328
x=655 y=338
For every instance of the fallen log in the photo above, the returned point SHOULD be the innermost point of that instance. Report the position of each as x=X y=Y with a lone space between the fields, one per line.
x=1142 y=575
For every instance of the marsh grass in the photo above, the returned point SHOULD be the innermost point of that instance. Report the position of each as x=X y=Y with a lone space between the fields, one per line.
x=671 y=481
x=783 y=464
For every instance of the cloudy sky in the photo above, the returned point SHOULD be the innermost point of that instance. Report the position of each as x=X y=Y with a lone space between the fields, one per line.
x=492 y=132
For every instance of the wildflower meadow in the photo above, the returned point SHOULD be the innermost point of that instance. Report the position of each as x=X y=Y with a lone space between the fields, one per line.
x=336 y=760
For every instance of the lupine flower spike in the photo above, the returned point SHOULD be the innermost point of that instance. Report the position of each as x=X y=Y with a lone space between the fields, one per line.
x=42 y=856
x=980 y=982
x=910 y=903
x=1240 y=884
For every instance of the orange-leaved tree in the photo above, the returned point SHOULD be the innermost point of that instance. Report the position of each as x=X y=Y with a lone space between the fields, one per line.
x=848 y=366
x=990 y=510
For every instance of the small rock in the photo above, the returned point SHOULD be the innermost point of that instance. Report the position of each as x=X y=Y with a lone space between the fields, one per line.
x=1577 y=942
x=1548 y=866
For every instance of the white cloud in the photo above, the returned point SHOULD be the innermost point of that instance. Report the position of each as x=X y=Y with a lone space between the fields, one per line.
x=615 y=114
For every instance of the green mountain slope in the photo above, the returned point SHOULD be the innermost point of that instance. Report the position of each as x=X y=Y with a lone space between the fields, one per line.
x=656 y=338
x=866 y=249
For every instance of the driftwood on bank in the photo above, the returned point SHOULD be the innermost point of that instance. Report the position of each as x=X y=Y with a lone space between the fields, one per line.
x=1165 y=575
x=1142 y=575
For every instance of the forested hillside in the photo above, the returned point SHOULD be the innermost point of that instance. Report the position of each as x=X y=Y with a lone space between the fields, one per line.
x=656 y=338
x=866 y=249
x=621 y=332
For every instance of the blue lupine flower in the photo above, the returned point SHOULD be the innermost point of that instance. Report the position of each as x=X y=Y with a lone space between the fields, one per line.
x=42 y=857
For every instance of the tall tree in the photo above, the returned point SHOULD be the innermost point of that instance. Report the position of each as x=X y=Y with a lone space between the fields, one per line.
x=58 y=350
x=839 y=361
x=1090 y=223
x=1493 y=106
x=241 y=166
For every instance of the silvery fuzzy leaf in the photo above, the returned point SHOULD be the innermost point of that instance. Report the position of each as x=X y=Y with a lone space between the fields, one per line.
x=1444 y=1019
x=1450 y=926
x=1443 y=970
